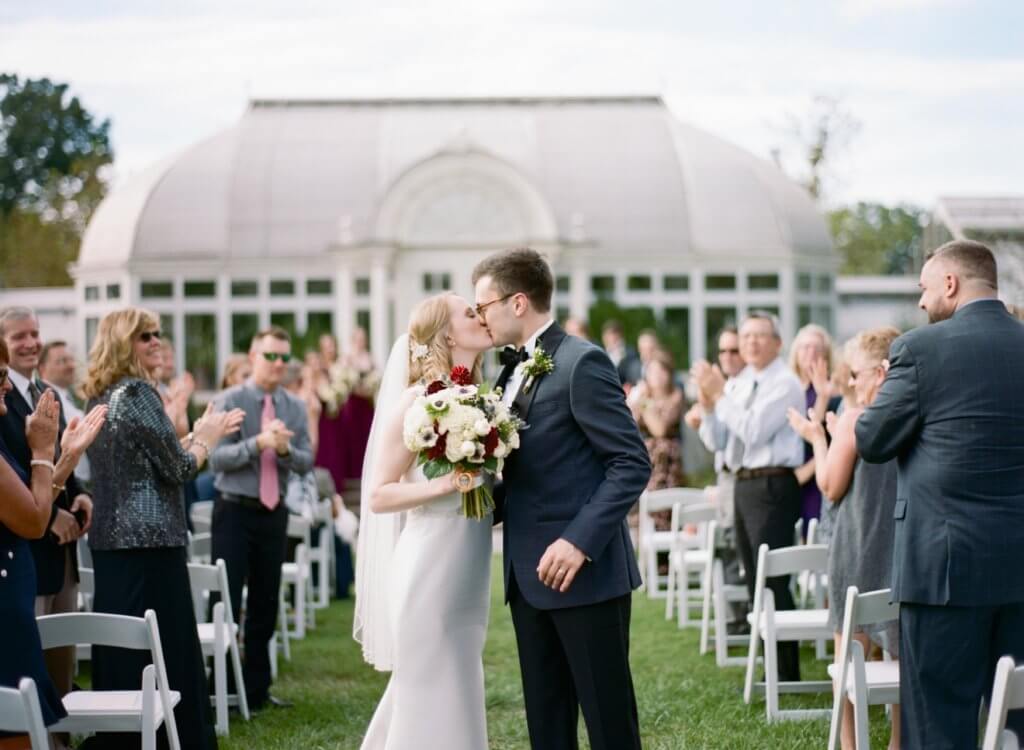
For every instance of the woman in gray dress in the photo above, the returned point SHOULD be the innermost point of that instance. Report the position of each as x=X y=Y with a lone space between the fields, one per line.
x=861 y=551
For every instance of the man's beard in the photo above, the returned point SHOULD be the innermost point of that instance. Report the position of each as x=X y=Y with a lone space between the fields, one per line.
x=937 y=316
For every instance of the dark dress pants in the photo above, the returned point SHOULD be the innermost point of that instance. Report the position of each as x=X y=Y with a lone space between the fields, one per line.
x=251 y=540
x=948 y=658
x=573 y=658
x=767 y=509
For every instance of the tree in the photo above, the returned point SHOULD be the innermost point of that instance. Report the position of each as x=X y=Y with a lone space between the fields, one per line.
x=53 y=161
x=876 y=239
x=818 y=136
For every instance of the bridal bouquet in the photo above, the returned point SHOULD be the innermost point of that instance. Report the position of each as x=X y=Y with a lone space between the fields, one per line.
x=456 y=426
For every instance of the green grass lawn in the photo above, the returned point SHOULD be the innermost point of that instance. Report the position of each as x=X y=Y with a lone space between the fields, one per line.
x=685 y=701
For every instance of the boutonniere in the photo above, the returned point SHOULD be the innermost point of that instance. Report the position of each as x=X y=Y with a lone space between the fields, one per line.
x=539 y=363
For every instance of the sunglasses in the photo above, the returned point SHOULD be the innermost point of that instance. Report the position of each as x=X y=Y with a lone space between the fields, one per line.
x=482 y=307
x=729 y=351
x=146 y=336
x=274 y=356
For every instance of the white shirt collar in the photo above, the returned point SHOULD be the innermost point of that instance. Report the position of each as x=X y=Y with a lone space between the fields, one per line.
x=531 y=343
x=21 y=383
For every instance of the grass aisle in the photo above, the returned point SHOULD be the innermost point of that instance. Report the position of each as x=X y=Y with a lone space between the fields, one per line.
x=685 y=700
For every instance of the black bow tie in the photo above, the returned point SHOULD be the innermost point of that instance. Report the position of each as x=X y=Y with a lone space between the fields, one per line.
x=510 y=357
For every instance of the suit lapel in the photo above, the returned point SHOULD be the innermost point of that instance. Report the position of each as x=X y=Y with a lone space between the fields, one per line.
x=18 y=404
x=549 y=341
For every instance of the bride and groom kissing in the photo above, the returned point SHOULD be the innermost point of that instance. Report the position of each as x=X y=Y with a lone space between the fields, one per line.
x=423 y=568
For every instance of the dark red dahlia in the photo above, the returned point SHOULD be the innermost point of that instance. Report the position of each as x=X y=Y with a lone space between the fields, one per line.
x=437 y=452
x=461 y=376
x=491 y=442
x=437 y=385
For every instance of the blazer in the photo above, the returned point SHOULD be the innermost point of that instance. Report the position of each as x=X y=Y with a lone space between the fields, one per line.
x=47 y=553
x=580 y=467
x=951 y=412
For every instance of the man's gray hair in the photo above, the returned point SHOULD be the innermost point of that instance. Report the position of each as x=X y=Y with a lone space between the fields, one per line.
x=15 y=313
x=765 y=315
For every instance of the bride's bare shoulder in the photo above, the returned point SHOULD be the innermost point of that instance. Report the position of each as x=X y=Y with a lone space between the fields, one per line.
x=411 y=394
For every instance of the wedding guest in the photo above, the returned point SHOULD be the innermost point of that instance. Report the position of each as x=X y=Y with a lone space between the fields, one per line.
x=576 y=327
x=236 y=370
x=54 y=552
x=330 y=449
x=139 y=537
x=176 y=391
x=810 y=358
x=762 y=450
x=356 y=416
x=860 y=553
x=647 y=345
x=657 y=405
x=950 y=412
x=57 y=368
x=26 y=504
x=624 y=357
x=249 y=520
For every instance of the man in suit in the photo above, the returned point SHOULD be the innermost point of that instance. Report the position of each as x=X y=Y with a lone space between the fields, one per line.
x=951 y=412
x=625 y=358
x=569 y=562
x=55 y=554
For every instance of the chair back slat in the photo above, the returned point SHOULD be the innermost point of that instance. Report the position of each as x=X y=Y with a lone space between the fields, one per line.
x=86 y=581
x=93 y=628
x=788 y=560
x=874 y=607
x=697 y=513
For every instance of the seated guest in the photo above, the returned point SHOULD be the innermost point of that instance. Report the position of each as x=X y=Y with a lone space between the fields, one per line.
x=861 y=551
x=625 y=358
x=26 y=505
x=657 y=404
x=576 y=327
x=138 y=539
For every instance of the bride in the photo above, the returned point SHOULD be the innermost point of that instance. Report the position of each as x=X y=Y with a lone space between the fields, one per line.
x=423 y=570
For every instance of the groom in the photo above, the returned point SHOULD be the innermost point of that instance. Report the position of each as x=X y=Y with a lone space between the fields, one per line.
x=569 y=562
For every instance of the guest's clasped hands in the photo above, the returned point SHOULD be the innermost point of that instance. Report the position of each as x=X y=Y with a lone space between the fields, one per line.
x=275 y=435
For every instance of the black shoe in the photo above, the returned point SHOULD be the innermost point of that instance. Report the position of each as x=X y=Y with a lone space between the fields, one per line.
x=276 y=702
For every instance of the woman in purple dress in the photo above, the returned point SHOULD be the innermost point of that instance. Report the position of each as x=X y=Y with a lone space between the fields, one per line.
x=357 y=415
x=331 y=435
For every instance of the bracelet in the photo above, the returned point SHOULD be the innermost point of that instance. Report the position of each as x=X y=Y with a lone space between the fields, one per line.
x=41 y=462
x=58 y=487
x=201 y=444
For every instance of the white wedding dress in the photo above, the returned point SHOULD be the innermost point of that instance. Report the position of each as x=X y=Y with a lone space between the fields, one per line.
x=439 y=602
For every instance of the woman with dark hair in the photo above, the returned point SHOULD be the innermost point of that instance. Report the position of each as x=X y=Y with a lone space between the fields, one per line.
x=26 y=503
x=657 y=404
x=138 y=537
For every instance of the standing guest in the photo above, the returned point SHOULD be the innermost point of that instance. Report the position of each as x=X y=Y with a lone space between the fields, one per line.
x=810 y=358
x=26 y=503
x=950 y=412
x=236 y=371
x=762 y=450
x=250 y=521
x=356 y=416
x=57 y=368
x=625 y=358
x=647 y=345
x=576 y=327
x=330 y=449
x=176 y=392
x=861 y=550
x=657 y=405
x=139 y=537
x=54 y=553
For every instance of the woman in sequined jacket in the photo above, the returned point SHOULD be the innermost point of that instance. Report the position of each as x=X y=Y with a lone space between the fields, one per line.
x=138 y=537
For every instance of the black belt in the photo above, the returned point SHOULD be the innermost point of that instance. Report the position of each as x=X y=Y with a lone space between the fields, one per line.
x=767 y=471
x=253 y=503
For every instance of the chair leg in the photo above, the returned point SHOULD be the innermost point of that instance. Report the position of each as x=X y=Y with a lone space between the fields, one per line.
x=771 y=675
x=236 y=667
x=673 y=561
x=705 y=612
x=220 y=681
x=838 y=700
x=755 y=640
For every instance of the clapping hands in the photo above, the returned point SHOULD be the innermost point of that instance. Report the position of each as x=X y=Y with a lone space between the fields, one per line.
x=80 y=432
x=41 y=426
x=809 y=429
x=710 y=382
x=214 y=425
x=275 y=435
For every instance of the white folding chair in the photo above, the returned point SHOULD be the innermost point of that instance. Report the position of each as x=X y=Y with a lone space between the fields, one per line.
x=116 y=710
x=200 y=548
x=86 y=592
x=1007 y=695
x=717 y=598
x=296 y=573
x=20 y=713
x=201 y=514
x=650 y=541
x=863 y=683
x=219 y=638
x=773 y=626
x=322 y=556
x=687 y=559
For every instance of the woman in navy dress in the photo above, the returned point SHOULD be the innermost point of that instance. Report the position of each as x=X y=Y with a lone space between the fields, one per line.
x=26 y=501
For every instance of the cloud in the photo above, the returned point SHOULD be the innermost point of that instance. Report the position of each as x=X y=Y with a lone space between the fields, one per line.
x=859 y=10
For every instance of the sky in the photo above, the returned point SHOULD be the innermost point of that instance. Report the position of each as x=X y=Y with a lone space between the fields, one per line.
x=936 y=86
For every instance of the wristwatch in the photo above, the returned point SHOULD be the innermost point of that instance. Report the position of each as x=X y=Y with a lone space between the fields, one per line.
x=464 y=481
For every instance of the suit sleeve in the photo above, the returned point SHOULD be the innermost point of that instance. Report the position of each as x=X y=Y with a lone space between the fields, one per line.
x=888 y=427
x=599 y=408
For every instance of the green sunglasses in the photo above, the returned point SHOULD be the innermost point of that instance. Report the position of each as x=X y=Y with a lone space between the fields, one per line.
x=274 y=356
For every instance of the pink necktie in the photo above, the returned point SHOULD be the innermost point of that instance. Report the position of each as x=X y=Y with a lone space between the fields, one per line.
x=270 y=491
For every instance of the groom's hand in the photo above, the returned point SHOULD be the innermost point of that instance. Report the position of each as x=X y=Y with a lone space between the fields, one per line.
x=560 y=564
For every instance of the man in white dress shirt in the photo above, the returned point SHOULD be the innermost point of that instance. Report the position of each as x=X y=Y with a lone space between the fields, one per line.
x=748 y=422
x=57 y=368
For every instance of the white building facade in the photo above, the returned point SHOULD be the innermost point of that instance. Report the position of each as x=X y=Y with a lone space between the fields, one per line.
x=324 y=215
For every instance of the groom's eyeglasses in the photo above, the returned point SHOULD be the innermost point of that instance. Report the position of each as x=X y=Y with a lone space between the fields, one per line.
x=482 y=308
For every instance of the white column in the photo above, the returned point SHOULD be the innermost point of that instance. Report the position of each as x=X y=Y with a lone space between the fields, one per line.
x=787 y=304
x=698 y=350
x=344 y=311
x=223 y=321
x=380 y=335
x=578 y=288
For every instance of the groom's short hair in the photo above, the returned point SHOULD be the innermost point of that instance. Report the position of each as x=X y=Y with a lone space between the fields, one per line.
x=520 y=270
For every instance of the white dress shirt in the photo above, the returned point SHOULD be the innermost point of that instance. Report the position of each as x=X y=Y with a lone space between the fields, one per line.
x=71 y=411
x=749 y=421
x=516 y=379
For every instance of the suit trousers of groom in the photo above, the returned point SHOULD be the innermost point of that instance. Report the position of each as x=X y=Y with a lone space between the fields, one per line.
x=767 y=508
x=571 y=658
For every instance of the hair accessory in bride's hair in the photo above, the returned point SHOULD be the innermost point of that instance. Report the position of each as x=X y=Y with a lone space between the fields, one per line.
x=418 y=351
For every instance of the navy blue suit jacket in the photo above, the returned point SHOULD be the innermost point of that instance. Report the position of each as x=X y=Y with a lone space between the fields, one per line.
x=580 y=467
x=951 y=411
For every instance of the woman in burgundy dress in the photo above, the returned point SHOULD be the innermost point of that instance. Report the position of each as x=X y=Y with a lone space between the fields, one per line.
x=357 y=414
x=332 y=437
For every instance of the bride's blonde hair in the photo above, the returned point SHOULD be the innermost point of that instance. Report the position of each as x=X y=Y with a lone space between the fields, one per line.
x=430 y=356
